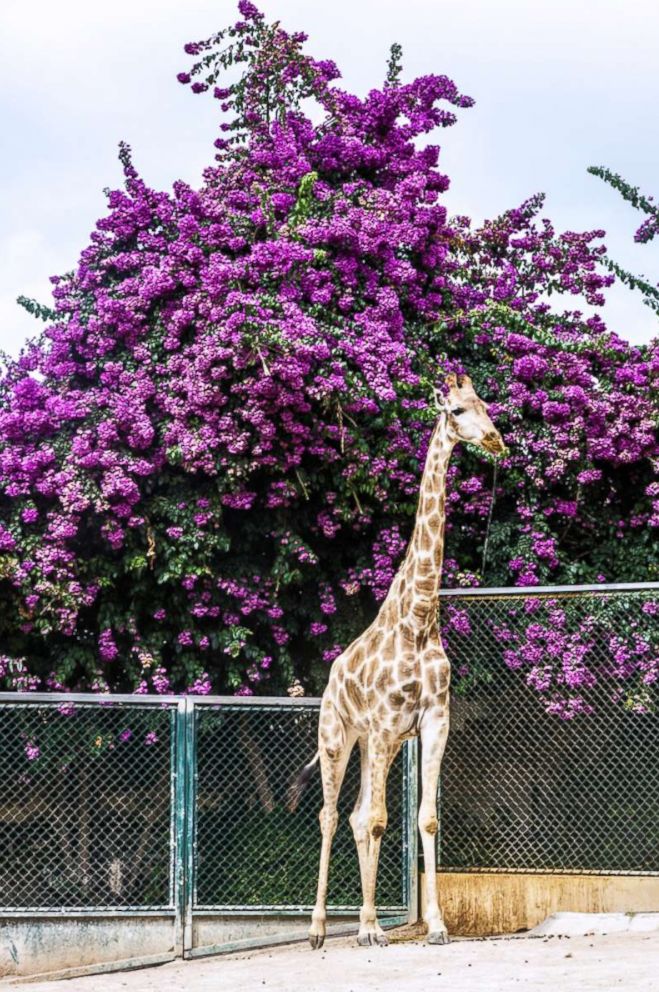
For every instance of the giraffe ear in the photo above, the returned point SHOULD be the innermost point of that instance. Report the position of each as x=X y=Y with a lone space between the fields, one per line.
x=451 y=380
x=464 y=380
x=440 y=398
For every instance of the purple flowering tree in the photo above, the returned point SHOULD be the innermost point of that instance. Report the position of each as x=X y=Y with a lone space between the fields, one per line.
x=209 y=460
x=648 y=230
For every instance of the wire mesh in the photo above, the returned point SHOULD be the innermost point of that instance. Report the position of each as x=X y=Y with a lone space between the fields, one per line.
x=531 y=781
x=251 y=851
x=88 y=819
x=85 y=807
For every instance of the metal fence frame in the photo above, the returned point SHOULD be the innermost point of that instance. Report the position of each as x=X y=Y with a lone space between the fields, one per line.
x=462 y=597
x=484 y=592
x=176 y=706
x=181 y=906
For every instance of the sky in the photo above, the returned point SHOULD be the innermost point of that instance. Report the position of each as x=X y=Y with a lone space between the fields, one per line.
x=559 y=85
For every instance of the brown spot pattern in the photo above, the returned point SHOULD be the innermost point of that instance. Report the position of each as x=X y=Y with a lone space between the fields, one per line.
x=393 y=680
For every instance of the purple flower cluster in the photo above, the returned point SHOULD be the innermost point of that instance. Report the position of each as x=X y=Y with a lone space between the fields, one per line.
x=566 y=648
x=209 y=462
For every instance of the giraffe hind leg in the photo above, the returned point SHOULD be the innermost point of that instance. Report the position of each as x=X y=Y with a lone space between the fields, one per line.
x=335 y=745
x=359 y=824
x=359 y=815
x=380 y=756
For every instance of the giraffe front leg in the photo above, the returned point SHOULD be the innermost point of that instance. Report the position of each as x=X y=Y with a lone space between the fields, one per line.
x=433 y=741
x=333 y=762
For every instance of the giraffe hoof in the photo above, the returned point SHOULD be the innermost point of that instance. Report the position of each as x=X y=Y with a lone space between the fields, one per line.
x=316 y=940
x=372 y=938
x=438 y=937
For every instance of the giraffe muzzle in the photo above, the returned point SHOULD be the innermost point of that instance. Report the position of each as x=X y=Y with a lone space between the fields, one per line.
x=493 y=444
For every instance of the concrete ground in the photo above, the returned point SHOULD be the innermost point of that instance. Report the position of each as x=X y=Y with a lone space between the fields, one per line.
x=627 y=961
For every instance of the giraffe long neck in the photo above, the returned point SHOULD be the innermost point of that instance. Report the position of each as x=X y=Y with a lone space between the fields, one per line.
x=421 y=571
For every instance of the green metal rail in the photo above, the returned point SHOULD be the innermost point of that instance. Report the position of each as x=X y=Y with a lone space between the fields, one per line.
x=174 y=807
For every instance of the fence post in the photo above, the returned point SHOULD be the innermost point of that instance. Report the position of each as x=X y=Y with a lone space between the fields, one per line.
x=184 y=817
x=179 y=772
x=411 y=842
x=190 y=863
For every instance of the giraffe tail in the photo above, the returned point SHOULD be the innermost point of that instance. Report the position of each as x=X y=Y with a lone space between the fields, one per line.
x=299 y=784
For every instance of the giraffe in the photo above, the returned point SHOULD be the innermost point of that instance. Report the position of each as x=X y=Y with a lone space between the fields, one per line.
x=392 y=683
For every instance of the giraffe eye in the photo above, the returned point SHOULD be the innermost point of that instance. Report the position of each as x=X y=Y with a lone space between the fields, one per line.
x=456 y=411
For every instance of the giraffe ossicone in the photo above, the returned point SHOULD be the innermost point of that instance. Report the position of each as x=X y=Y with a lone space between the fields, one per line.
x=392 y=682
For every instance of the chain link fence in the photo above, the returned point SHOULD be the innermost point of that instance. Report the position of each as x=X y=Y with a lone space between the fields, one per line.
x=178 y=807
x=554 y=744
x=86 y=806
x=251 y=851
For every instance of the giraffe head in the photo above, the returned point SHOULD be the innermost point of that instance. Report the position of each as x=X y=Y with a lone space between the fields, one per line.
x=467 y=416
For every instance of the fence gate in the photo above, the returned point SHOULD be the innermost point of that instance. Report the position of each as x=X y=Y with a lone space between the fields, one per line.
x=255 y=863
x=169 y=814
x=87 y=832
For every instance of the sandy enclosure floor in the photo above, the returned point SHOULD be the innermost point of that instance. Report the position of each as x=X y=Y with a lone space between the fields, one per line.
x=562 y=964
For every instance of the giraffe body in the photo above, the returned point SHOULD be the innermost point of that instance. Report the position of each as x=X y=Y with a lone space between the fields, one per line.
x=385 y=683
x=392 y=683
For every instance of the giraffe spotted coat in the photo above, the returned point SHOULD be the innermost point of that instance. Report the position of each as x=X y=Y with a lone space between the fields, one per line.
x=392 y=682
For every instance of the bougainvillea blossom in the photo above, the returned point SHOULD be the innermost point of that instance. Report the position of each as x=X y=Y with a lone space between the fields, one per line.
x=209 y=460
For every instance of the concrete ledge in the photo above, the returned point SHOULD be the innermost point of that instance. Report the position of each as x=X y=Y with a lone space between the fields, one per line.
x=69 y=946
x=89 y=969
x=480 y=904
x=42 y=948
